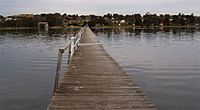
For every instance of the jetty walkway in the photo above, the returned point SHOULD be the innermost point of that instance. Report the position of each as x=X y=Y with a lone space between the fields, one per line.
x=94 y=81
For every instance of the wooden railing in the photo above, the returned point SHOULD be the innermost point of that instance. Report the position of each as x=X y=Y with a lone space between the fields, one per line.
x=71 y=47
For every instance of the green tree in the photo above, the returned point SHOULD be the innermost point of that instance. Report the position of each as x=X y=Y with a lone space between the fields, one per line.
x=54 y=19
x=166 y=19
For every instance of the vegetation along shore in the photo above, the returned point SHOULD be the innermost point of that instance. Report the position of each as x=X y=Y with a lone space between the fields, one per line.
x=57 y=20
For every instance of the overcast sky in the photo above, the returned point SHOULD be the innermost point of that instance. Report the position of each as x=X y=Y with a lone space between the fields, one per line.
x=99 y=7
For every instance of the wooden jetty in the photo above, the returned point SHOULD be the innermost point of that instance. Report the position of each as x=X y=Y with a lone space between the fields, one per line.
x=94 y=81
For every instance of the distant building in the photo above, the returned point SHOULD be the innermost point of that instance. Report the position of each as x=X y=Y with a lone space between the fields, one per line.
x=9 y=19
x=161 y=24
x=71 y=22
x=115 y=21
x=87 y=18
x=122 y=21
x=148 y=13
x=106 y=18
x=25 y=15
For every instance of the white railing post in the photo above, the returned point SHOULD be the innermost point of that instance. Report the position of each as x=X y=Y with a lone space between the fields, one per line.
x=72 y=46
x=76 y=42
x=79 y=37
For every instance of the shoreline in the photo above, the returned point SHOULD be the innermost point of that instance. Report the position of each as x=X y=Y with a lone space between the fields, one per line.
x=99 y=27
x=153 y=27
x=27 y=28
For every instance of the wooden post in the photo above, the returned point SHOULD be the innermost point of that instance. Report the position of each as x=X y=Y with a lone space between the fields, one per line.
x=59 y=61
x=69 y=54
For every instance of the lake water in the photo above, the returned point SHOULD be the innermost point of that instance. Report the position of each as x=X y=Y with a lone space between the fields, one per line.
x=165 y=64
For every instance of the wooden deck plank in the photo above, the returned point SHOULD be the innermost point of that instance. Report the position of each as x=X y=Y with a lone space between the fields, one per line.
x=94 y=81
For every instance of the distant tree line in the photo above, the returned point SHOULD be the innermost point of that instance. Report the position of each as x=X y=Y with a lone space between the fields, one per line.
x=57 y=19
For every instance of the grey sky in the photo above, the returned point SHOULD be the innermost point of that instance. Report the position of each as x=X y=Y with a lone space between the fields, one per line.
x=99 y=7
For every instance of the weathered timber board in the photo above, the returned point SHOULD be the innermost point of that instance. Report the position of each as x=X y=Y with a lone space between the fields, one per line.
x=94 y=81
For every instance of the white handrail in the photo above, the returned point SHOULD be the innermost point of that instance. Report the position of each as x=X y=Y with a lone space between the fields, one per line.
x=72 y=47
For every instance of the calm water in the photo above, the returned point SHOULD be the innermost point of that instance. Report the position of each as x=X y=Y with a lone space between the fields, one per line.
x=165 y=64
x=28 y=64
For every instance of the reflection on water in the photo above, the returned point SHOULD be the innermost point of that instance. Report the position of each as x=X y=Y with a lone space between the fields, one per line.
x=165 y=64
x=28 y=61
